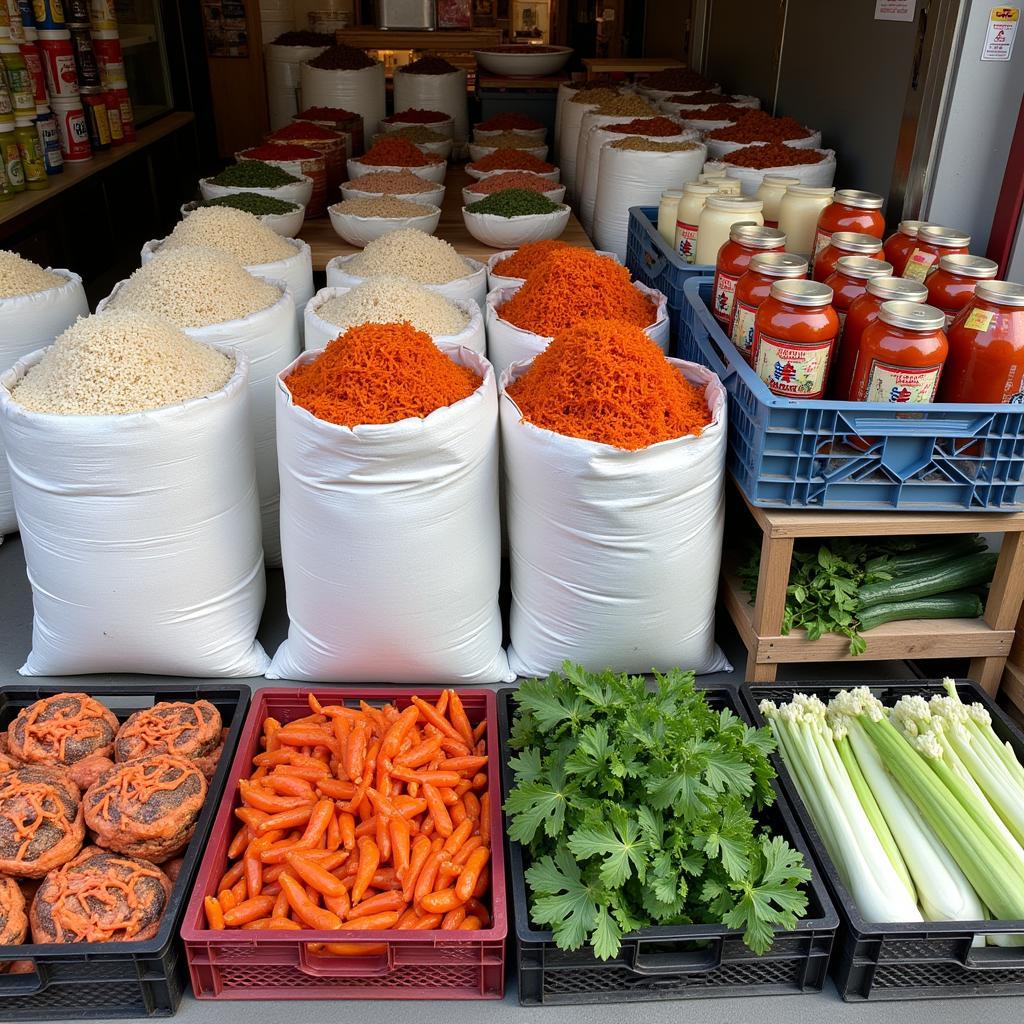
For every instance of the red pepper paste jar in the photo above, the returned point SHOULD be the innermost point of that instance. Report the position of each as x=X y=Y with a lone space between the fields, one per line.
x=986 y=347
x=901 y=355
x=746 y=239
x=850 y=210
x=900 y=244
x=795 y=330
x=845 y=243
x=754 y=287
x=933 y=242
x=850 y=280
x=862 y=312
x=952 y=286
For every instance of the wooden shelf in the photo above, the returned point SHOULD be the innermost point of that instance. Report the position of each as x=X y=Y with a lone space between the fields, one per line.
x=75 y=173
x=437 y=40
x=629 y=65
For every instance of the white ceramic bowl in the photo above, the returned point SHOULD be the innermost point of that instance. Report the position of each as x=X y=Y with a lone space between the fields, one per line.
x=442 y=148
x=511 y=232
x=524 y=63
x=482 y=135
x=555 y=175
x=556 y=195
x=444 y=127
x=287 y=225
x=361 y=230
x=429 y=172
x=300 y=192
x=478 y=152
x=435 y=197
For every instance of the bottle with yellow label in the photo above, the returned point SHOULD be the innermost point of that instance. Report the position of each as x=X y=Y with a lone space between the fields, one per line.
x=31 y=151
x=11 y=156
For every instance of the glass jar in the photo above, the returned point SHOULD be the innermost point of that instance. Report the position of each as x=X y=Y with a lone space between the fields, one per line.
x=845 y=243
x=716 y=220
x=850 y=210
x=862 y=312
x=901 y=355
x=799 y=210
x=754 y=287
x=667 y=214
x=695 y=193
x=933 y=242
x=770 y=192
x=986 y=347
x=900 y=244
x=850 y=280
x=745 y=239
x=951 y=287
x=728 y=186
x=795 y=330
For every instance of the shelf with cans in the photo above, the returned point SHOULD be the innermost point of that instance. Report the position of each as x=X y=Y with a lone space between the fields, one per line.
x=63 y=91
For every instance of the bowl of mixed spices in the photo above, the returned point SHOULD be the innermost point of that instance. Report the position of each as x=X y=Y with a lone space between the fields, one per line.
x=518 y=124
x=393 y=153
x=280 y=216
x=508 y=140
x=359 y=221
x=400 y=184
x=513 y=216
x=484 y=187
x=261 y=179
x=424 y=138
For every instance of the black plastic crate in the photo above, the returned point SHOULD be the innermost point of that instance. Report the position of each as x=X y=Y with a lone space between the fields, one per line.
x=83 y=980
x=677 y=962
x=913 y=960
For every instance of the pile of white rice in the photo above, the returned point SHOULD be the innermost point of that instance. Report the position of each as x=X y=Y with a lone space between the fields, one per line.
x=412 y=254
x=231 y=231
x=19 y=276
x=194 y=288
x=389 y=300
x=116 y=363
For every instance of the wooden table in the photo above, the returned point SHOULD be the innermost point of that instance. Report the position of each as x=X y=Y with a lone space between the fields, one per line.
x=325 y=244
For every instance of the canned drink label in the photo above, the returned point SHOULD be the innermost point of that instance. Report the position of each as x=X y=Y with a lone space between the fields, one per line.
x=821 y=240
x=919 y=265
x=979 y=319
x=725 y=293
x=900 y=385
x=793 y=371
x=686 y=240
x=743 y=328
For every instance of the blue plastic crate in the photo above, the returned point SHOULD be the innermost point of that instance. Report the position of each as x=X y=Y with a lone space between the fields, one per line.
x=786 y=453
x=654 y=264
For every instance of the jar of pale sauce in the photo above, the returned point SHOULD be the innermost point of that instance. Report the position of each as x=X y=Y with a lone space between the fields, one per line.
x=688 y=213
x=799 y=210
x=770 y=192
x=716 y=221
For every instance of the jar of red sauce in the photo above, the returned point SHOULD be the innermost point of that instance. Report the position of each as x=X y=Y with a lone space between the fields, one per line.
x=850 y=210
x=845 y=243
x=901 y=355
x=745 y=241
x=952 y=286
x=795 y=330
x=899 y=245
x=753 y=288
x=933 y=242
x=986 y=347
x=862 y=312
x=850 y=280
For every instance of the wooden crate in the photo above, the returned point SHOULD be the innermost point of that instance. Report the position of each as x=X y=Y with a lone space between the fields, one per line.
x=986 y=641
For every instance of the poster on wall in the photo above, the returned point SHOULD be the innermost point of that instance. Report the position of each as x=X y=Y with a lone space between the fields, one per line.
x=225 y=29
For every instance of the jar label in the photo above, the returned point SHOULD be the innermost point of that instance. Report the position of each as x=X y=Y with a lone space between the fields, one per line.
x=898 y=385
x=725 y=292
x=686 y=240
x=743 y=328
x=919 y=265
x=979 y=319
x=793 y=371
x=821 y=240
x=15 y=170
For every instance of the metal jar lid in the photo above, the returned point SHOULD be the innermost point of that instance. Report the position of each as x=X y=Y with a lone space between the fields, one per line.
x=811 y=191
x=936 y=234
x=911 y=227
x=903 y=288
x=914 y=316
x=779 y=264
x=855 y=241
x=1002 y=293
x=859 y=200
x=700 y=188
x=863 y=267
x=966 y=265
x=739 y=204
x=780 y=180
x=754 y=236
x=802 y=293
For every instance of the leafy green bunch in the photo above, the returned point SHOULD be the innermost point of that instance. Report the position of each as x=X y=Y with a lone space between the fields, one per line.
x=636 y=807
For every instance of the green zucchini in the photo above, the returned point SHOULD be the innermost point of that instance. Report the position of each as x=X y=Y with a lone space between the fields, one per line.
x=958 y=574
x=960 y=604
x=918 y=561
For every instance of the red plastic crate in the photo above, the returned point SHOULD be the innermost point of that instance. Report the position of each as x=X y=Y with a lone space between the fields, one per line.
x=236 y=964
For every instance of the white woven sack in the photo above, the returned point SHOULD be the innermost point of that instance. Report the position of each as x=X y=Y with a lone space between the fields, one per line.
x=472 y=286
x=508 y=344
x=283 y=66
x=718 y=148
x=362 y=91
x=270 y=341
x=446 y=93
x=568 y=141
x=28 y=322
x=564 y=95
x=692 y=110
x=820 y=174
x=614 y=554
x=319 y=332
x=501 y=281
x=141 y=535
x=391 y=543
x=630 y=177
